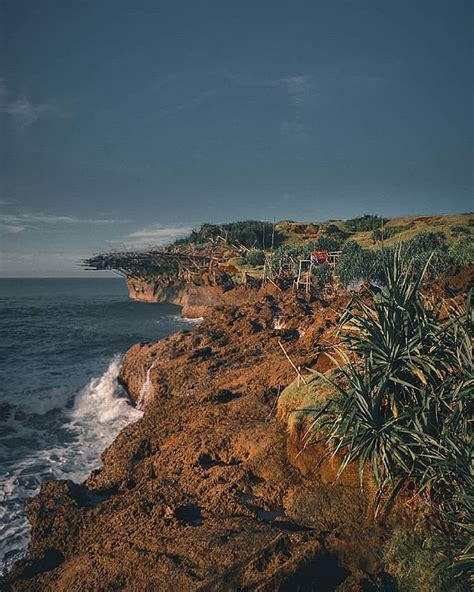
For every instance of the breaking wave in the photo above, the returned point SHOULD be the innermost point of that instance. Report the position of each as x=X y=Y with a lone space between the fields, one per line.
x=98 y=413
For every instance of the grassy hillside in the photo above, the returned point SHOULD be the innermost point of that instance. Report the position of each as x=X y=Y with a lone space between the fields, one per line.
x=395 y=229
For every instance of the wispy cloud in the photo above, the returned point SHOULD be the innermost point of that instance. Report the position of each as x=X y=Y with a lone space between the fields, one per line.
x=189 y=104
x=298 y=88
x=22 y=110
x=25 y=113
x=15 y=223
x=293 y=129
x=298 y=92
x=156 y=235
x=13 y=228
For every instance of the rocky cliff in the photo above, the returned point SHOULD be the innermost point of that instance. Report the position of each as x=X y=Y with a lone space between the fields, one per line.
x=195 y=296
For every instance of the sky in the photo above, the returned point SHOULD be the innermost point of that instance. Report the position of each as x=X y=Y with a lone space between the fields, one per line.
x=124 y=124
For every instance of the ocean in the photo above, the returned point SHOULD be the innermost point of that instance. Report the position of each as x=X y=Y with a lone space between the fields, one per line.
x=61 y=343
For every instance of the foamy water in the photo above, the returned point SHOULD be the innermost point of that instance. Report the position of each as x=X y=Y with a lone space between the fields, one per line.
x=61 y=346
x=101 y=410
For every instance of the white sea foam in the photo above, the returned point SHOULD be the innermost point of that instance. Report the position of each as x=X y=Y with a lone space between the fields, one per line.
x=186 y=320
x=104 y=400
x=147 y=388
x=101 y=409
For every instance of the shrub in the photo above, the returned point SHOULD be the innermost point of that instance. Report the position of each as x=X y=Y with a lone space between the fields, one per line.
x=425 y=241
x=459 y=231
x=255 y=257
x=389 y=231
x=323 y=243
x=404 y=400
x=365 y=223
x=322 y=274
x=286 y=257
x=353 y=265
x=462 y=252
x=332 y=230
x=250 y=233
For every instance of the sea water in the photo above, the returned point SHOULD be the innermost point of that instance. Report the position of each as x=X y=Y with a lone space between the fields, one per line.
x=61 y=343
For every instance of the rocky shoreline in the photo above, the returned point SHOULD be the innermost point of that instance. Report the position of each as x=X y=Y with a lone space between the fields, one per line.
x=210 y=489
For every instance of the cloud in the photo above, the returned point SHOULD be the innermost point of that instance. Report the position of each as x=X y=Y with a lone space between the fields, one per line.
x=23 y=111
x=297 y=88
x=157 y=235
x=12 y=228
x=15 y=223
x=190 y=103
x=293 y=130
x=298 y=93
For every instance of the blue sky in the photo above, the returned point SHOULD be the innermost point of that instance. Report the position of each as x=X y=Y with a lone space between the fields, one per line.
x=128 y=123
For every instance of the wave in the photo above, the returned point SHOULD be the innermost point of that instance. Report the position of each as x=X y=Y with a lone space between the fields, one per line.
x=105 y=400
x=68 y=449
x=179 y=320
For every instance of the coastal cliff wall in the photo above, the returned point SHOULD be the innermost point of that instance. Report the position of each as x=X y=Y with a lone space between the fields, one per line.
x=195 y=297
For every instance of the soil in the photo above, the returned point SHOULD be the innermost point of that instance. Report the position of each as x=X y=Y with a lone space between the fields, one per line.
x=208 y=490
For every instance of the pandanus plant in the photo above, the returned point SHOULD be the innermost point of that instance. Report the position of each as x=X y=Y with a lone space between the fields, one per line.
x=405 y=388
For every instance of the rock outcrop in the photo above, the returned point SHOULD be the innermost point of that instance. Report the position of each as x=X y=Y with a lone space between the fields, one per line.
x=195 y=296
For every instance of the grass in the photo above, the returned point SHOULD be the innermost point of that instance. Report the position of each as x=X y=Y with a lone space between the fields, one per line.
x=297 y=402
x=413 y=563
x=407 y=227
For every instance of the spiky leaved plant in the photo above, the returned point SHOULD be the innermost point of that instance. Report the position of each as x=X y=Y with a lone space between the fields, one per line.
x=405 y=391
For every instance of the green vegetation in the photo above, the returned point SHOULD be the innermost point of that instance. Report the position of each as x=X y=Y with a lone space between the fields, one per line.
x=255 y=257
x=388 y=232
x=413 y=563
x=365 y=223
x=322 y=274
x=427 y=249
x=460 y=231
x=249 y=233
x=285 y=258
x=363 y=251
x=404 y=403
x=354 y=264
x=334 y=231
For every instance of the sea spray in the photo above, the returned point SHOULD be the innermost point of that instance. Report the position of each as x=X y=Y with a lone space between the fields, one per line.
x=147 y=388
x=101 y=409
x=104 y=399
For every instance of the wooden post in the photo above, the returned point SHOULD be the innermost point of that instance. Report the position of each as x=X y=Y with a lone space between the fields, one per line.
x=298 y=373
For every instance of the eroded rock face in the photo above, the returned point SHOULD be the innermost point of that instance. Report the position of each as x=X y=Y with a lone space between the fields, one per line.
x=195 y=296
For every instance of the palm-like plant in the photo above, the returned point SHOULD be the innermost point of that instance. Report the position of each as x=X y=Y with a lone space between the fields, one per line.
x=405 y=389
